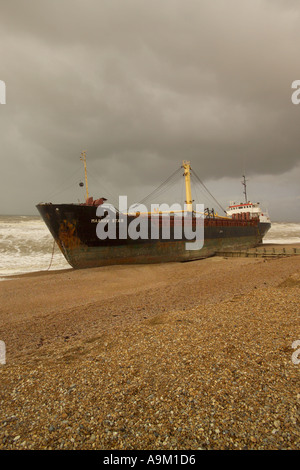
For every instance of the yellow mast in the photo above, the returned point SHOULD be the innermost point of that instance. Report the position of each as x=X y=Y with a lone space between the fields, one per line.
x=188 y=191
x=83 y=158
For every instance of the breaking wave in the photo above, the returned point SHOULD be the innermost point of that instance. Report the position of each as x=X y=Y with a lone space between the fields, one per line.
x=26 y=245
x=284 y=233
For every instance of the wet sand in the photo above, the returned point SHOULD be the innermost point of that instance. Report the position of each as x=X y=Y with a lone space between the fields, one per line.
x=193 y=355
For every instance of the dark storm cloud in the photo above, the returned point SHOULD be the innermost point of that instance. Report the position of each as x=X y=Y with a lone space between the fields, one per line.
x=142 y=85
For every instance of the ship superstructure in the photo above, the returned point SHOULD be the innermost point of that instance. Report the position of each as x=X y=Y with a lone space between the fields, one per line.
x=248 y=210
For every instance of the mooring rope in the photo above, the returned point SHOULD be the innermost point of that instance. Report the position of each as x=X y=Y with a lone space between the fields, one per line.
x=53 y=248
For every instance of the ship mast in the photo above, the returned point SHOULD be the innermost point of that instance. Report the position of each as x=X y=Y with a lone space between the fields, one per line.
x=83 y=158
x=188 y=192
x=245 y=188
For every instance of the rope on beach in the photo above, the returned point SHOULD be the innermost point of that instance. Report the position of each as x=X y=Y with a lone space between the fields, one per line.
x=51 y=256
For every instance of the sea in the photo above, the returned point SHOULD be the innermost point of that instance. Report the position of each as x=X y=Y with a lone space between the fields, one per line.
x=26 y=244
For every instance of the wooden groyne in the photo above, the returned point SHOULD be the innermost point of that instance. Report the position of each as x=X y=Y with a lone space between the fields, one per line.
x=262 y=251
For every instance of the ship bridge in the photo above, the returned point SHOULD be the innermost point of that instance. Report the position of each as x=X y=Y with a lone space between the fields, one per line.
x=247 y=210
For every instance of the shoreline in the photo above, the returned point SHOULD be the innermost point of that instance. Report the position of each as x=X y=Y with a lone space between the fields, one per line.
x=170 y=356
x=288 y=246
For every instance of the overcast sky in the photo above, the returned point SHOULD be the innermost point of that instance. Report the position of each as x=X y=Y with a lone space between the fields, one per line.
x=141 y=85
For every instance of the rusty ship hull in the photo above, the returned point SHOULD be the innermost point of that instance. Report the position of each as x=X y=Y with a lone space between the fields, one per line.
x=73 y=226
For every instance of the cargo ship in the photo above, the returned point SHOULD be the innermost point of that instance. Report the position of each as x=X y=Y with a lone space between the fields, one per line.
x=74 y=228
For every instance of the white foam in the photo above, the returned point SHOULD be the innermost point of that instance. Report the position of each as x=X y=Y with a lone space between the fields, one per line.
x=280 y=241
x=283 y=233
x=26 y=246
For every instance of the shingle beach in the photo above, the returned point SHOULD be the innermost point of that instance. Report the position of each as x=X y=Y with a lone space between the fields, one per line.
x=173 y=356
